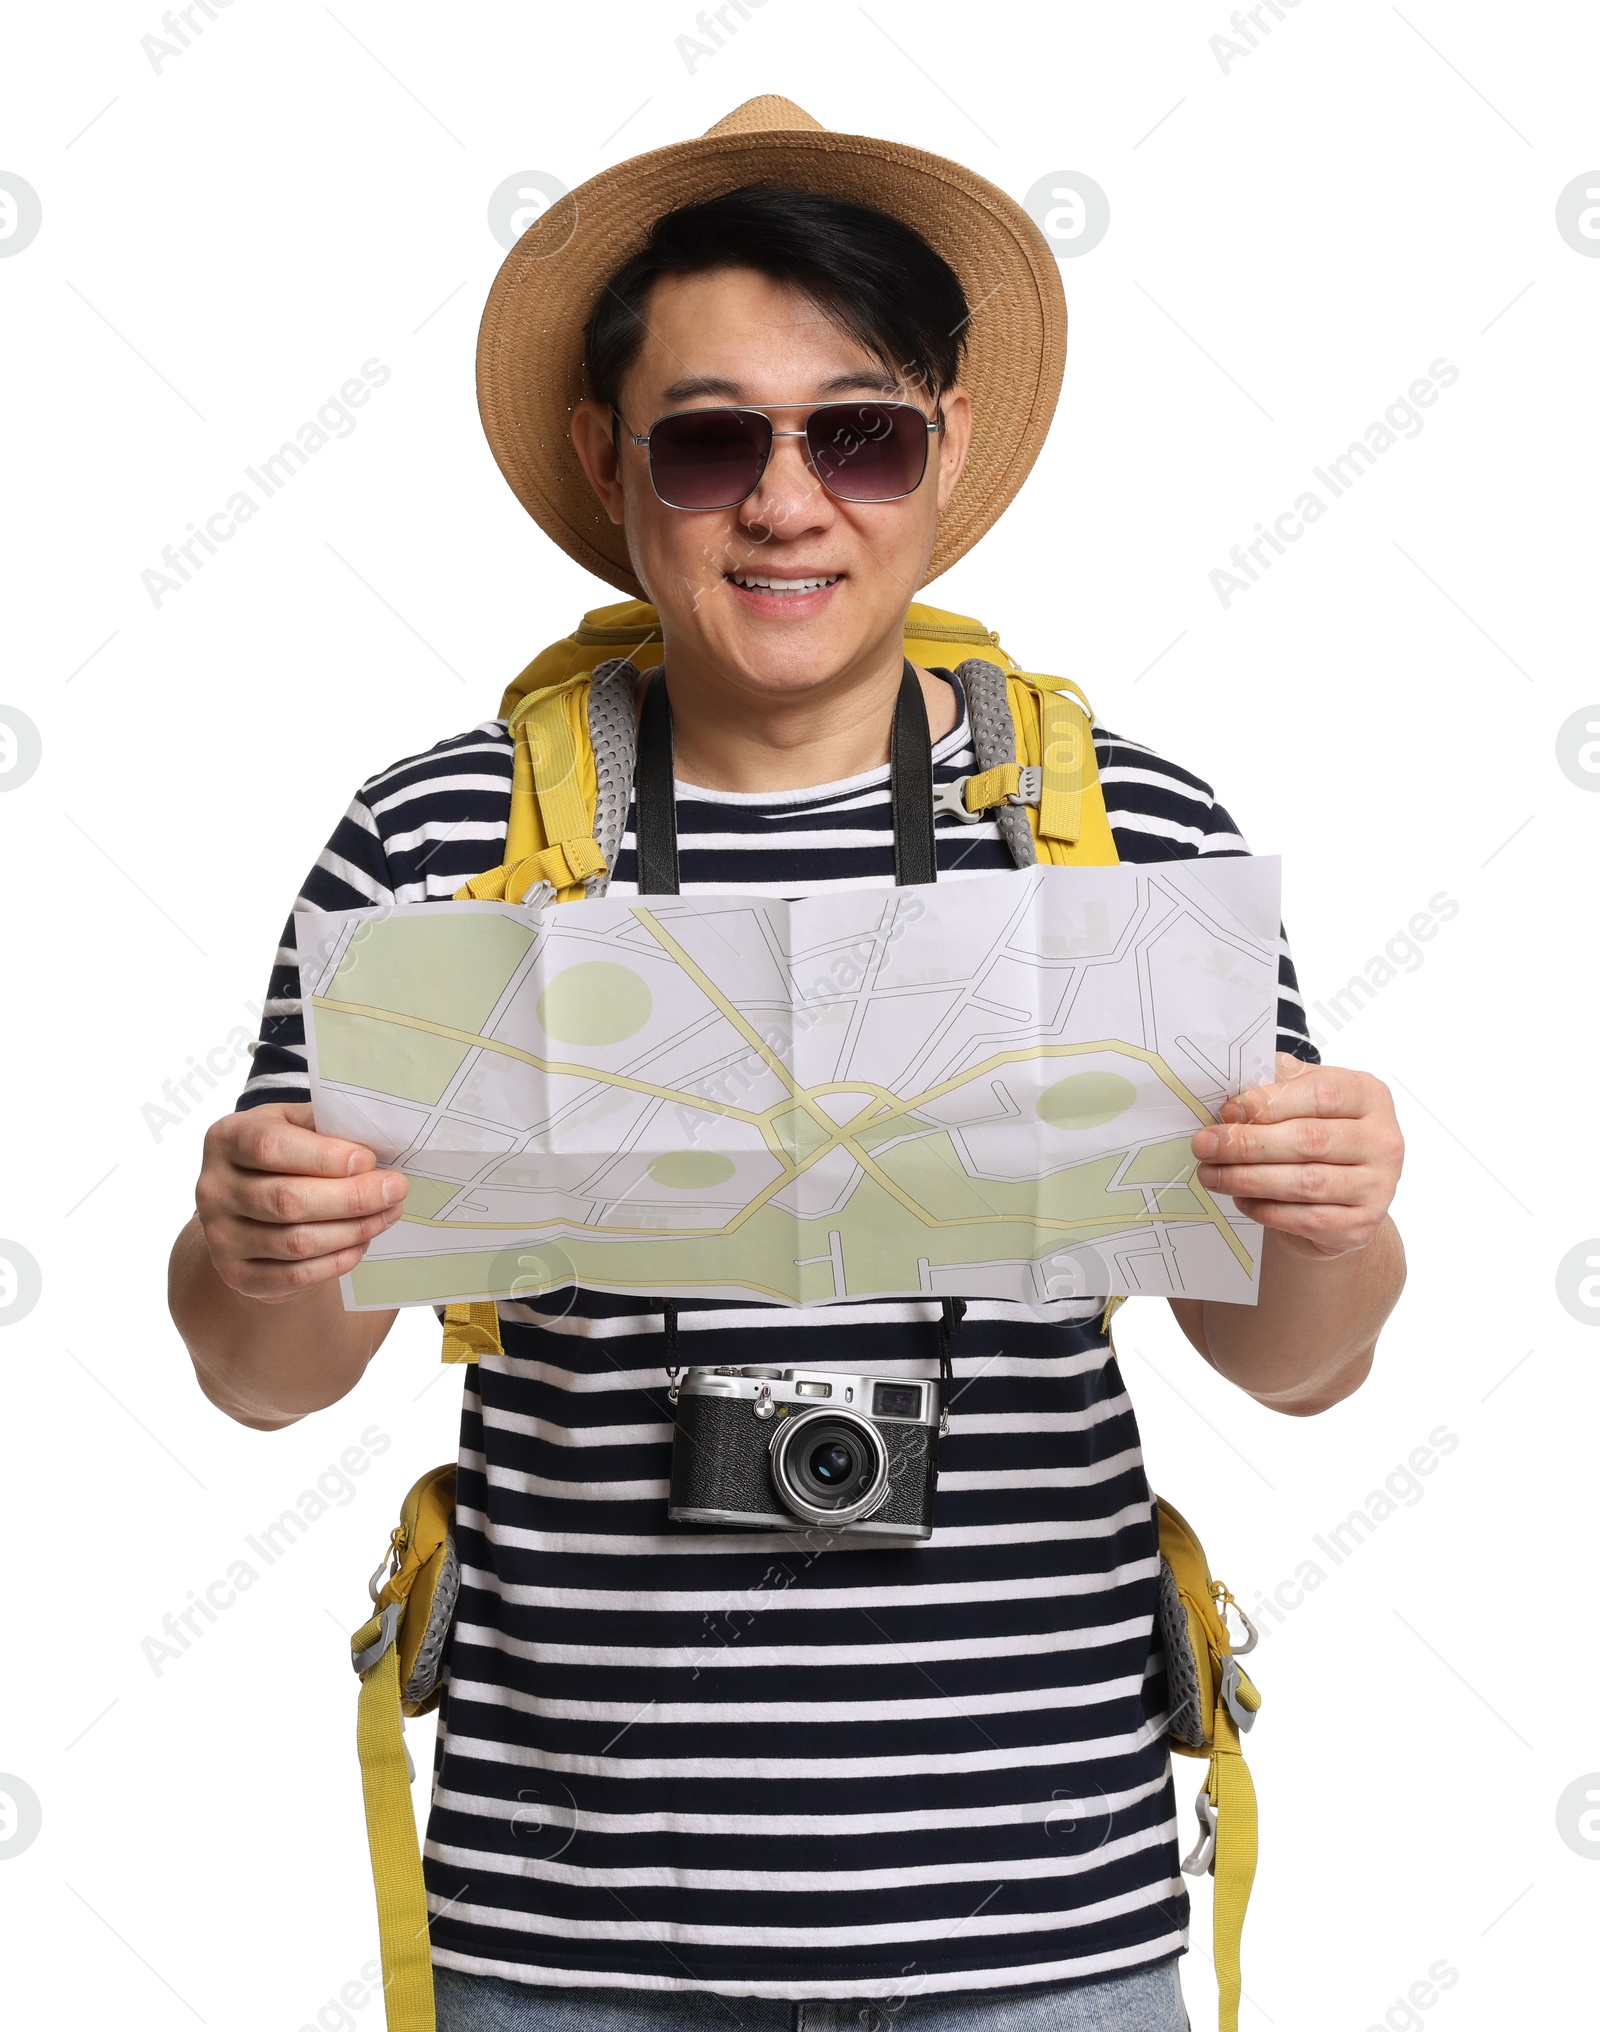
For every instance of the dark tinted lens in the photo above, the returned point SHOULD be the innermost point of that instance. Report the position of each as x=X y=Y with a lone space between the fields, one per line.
x=708 y=458
x=868 y=451
x=832 y=1464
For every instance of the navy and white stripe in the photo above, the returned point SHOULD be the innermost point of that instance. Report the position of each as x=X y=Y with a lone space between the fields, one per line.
x=680 y=1758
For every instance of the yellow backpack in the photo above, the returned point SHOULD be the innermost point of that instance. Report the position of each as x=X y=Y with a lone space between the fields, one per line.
x=571 y=717
x=570 y=740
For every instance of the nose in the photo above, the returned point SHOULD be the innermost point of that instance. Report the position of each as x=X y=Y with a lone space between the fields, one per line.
x=790 y=501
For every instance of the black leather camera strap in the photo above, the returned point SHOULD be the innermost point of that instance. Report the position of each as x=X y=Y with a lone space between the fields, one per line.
x=655 y=826
x=655 y=822
x=655 y=832
x=916 y=858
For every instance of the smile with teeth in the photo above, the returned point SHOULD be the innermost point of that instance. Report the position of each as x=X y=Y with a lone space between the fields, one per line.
x=755 y=582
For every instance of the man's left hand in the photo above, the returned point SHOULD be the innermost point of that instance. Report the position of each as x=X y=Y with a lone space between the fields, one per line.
x=1315 y=1156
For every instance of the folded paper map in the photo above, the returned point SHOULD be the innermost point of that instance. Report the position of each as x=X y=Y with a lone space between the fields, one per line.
x=982 y=1088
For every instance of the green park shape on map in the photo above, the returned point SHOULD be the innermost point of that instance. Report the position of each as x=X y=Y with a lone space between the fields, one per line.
x=984 y=1088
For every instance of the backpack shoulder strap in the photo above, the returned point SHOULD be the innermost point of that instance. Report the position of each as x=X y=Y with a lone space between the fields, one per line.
x=384 y=1653
x=411 y=1612
x=1225 y=1704
x=998 y=784
x=571 y=770
x=391 y=1827
x=1033 y=739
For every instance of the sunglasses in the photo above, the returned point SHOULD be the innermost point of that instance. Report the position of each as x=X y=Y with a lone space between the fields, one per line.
x=860 y=451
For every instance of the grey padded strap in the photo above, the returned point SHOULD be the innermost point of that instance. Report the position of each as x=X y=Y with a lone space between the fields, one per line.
x=1184 y=1719
x=994 y=741
x=429 y=1660
x=611 y=734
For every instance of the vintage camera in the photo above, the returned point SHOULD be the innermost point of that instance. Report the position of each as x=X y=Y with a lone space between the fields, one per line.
x=776 y=1447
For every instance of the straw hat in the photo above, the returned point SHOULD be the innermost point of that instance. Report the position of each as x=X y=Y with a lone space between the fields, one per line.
x=530 y=344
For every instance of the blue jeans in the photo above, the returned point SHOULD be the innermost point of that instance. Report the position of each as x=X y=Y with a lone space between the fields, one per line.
x=1147 y=2001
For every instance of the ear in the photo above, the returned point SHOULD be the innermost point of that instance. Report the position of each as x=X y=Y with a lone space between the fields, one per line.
x=954 y=440
x=591 y=432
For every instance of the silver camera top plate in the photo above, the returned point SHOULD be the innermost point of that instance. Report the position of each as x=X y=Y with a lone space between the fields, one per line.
x=909 y=1400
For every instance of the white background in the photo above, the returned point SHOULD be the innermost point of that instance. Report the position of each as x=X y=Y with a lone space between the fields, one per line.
x=1293 y=240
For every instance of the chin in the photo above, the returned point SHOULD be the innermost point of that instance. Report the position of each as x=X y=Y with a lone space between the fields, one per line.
x=794 y=662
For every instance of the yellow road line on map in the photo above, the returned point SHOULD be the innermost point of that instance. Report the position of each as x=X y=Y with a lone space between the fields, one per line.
x=550 y=1065
x=762 y=1121
x=1222 y=1226
x=1213 y=1213
x=884 y=1106
x=745 y=1028
x=892 y=1105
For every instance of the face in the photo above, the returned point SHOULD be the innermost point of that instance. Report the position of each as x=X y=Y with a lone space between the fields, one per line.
x=735 y=337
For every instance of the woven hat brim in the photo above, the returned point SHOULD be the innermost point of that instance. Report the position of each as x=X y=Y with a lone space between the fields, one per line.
x=530 y=343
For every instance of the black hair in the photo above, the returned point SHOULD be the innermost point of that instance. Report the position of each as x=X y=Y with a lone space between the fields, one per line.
x=870 y=274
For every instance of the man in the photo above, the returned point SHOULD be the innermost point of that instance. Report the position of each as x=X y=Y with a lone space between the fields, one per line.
x=682 y=1780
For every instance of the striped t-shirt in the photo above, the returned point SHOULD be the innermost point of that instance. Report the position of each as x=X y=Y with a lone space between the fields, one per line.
x=682 y=1758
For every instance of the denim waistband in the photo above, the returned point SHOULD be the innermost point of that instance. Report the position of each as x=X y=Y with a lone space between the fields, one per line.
x=1148 y=2000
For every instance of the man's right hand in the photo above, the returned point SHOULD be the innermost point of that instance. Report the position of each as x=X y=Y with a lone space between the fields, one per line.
x=283 y=1208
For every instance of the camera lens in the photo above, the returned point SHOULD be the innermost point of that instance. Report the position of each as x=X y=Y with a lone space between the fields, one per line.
x=830 y=1467
x=831 y=1463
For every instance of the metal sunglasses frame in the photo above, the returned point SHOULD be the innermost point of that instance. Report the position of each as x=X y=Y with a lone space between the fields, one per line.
x=933 y=424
